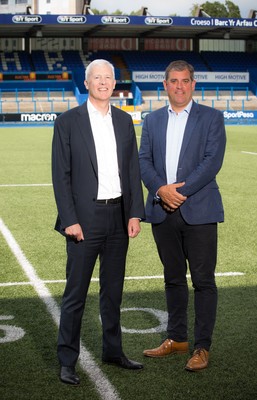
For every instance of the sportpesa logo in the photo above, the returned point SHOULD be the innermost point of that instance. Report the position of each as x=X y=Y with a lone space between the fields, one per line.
x=238 y=114
x=38 y=117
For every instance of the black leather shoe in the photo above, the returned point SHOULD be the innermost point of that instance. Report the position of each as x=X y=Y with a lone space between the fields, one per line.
x=68 y=375
x=123 y=362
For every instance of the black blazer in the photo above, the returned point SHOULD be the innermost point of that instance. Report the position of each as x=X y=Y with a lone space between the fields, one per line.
x=75 y=171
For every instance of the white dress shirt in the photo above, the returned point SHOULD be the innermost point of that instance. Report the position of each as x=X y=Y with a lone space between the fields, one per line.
x=175 y=133
x=106 y=153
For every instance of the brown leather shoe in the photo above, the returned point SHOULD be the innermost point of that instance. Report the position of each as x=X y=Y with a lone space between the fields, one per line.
x=168 y=347
x=198 y=361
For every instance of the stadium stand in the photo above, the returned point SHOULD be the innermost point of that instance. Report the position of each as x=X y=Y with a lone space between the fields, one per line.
x=58 y=61
x=148 y=95
x=158 y=60
x=36 y=101
x=40 y=60
x=229 y=61
x=15 y=61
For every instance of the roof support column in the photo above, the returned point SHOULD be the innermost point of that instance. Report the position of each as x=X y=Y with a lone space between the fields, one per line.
x=196 y=45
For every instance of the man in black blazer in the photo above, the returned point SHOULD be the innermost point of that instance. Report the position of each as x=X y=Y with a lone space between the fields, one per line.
x=181 y=152
x=97 y=187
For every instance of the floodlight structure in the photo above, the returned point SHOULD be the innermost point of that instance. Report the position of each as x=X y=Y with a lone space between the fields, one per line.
x=39 y=33
x=28 y=10
x=252 y=14
x=36 y=31
x=144 y=11
x=201 y=13
x=86 y=7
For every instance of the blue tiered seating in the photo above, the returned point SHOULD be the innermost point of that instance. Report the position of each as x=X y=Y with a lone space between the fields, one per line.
x=159 y=60
x=72 y=59
x=230 y=61
x=106 y=55
x=25 y=61
x=66 y=60
x=39 y=60
x=15 y=61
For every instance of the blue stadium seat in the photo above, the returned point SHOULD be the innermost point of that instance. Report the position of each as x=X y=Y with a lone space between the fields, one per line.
x=229 y=61
x=67 y=60
x=15 y=61
x=38 y=60
x=159 y=60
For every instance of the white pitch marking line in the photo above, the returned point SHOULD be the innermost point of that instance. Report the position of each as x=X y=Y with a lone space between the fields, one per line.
x=249 y=152
x=128 y=278
x=103 y=386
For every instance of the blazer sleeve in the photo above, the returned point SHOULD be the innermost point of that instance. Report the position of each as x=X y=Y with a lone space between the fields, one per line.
x=127 y=151
x=137 y=199
x=61 y=172
x=150 y=153
x=210 y=160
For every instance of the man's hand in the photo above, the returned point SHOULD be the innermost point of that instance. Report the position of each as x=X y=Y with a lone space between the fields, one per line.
x=133 y=227
x=170 y=197
x=75 y=232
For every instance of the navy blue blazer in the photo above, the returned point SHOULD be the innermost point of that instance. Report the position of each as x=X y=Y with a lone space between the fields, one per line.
x=75 y=171
x=200 y=160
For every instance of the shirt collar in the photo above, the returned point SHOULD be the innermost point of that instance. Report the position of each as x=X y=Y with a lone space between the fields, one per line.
x=92 y=110
x=187 y=108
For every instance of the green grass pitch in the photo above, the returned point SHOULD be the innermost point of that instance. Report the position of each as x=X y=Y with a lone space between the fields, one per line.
x=28 y=329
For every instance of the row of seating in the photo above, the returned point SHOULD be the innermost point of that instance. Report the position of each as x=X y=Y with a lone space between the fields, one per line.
x=152 y=62
x=238 y=61
x=39 y=60
x=59 y=60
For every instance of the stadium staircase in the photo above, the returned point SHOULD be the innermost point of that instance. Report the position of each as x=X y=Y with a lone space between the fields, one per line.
x=119 y=62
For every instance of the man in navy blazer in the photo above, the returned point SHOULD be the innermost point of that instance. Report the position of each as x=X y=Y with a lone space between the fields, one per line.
x=182 y=150
x=98 y=192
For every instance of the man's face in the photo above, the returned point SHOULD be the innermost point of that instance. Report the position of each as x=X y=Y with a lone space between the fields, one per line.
x=100 y=83
x=179 y=88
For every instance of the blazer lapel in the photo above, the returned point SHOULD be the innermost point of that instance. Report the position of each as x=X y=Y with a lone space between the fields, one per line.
x=192 y=119
x=118 y=138
x=83 y=122
x=162 y=125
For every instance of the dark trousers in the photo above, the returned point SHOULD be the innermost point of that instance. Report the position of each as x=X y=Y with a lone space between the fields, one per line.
x=107 y=239
x=179 y=245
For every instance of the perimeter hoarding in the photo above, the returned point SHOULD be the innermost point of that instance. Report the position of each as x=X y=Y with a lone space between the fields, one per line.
x=200 y=76
x=231 y=117
x=127 y=20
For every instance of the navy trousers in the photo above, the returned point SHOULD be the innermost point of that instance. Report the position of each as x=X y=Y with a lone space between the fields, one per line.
x=108 y=239
x=195 y=246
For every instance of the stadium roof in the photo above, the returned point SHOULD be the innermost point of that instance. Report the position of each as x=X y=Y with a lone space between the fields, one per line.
x=23 y=25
